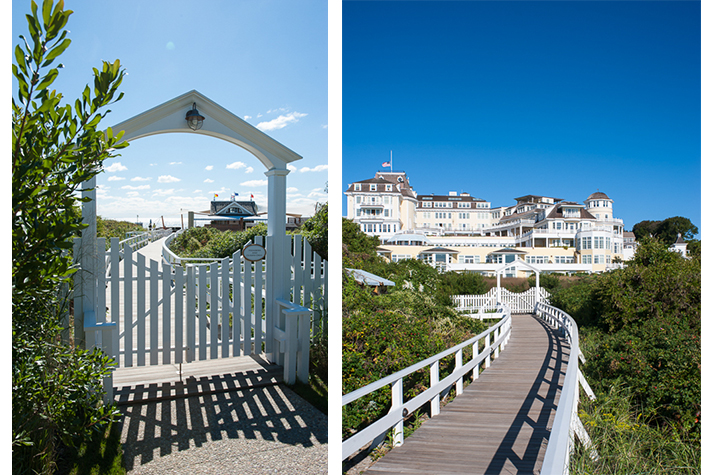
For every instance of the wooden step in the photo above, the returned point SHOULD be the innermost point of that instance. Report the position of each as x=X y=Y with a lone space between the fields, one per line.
x=140 y=384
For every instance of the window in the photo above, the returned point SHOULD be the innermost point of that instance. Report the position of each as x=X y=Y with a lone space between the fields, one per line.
x=598 y=242
x=386 y=199
x=586 y=259
x=387 y=213
x=357 y=199
x=388 y=187
x=608 y=243
x=357 y=186
x=373 y=187
x=587 y=242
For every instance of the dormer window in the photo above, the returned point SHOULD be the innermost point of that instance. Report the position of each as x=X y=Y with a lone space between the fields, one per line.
x=373 y=187
x=357 y=186
x=388 y=187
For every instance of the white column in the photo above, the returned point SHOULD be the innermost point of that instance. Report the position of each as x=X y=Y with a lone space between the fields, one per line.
x=278 y=270
x=88 y=259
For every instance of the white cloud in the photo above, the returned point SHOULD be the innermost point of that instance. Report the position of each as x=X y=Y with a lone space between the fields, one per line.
x=254 y=183
x=175 y=163
x=207 y=180
x=197 y=191
x=161 y=192
x=280 y=122
x=209 y=167
x=291 y=167
x=139 y=187
x=116 y=178
x=140 y=178
x=249 y=170
x=247 y=117
x=318 y=168
x=153 y=164
x=291 y=189
x=116 y=167
x=167 y=179
x=236 y=165
x=133 y=194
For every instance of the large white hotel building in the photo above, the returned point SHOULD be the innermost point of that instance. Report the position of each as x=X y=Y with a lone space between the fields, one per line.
x=460 y=232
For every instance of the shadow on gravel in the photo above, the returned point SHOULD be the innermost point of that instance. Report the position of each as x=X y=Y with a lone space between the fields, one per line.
x=270 y=413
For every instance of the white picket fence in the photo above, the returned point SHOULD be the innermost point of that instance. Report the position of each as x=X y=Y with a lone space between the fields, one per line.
x=158 y=313
x=477 y=305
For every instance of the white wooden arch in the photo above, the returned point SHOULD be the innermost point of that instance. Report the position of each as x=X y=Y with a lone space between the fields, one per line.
x=516 y=263
x=219 y=123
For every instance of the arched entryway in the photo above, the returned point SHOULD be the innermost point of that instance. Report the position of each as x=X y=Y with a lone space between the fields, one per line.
x=170 y=117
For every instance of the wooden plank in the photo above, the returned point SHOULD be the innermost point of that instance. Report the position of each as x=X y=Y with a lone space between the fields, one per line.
x=153 y=312
x=128 y=305
x=247 y=301
x=179 y=313
x=190 y=312
x=226 y=306
x=202 y=302
x=237 y=305
x=501 y=422
x=167 y=312
x=140 y=308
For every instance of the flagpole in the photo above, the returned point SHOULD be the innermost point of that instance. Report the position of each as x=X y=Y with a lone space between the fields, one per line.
x=390 y=161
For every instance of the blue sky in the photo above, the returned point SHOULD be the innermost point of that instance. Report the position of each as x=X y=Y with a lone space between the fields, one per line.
x=504 y=99
x=265 y=61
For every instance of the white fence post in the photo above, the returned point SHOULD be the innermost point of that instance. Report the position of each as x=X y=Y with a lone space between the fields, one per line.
x=397 y=403
x=435 y=404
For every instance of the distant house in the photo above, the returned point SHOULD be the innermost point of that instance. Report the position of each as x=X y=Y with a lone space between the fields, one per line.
x=233 y=215
x=680 y=246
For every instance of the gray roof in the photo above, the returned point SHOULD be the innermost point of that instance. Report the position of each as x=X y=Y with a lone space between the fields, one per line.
x=245 y=208
x=367 y=278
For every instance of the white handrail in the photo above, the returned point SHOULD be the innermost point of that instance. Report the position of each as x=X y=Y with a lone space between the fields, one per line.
x=400 y=409
x=566 y=423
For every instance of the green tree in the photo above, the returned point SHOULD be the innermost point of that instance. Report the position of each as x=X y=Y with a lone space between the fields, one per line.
x=56 y=146
x=316 y=230
x=666 y=230
x=357 y=241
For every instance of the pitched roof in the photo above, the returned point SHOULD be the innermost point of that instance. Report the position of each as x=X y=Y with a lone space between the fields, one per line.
x=233 y=208
x=556 y=212
x=598 y=196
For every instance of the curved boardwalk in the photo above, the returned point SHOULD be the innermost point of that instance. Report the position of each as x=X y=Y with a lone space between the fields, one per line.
x=501 y=423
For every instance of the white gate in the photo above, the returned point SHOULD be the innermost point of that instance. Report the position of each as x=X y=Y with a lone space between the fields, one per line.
x=159 y=313
x=519 y=302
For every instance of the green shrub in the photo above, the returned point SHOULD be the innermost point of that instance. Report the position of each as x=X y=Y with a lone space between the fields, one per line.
x=57 y=145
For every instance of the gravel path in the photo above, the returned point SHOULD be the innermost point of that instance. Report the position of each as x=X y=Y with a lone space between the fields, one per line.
x=252 y=431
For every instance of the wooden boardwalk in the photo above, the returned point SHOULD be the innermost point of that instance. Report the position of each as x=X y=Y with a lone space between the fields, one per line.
x=501 y=423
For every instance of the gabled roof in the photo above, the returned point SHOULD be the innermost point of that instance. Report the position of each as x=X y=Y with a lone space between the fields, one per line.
x=233 y=208
x=169 y=117
x=556 y=212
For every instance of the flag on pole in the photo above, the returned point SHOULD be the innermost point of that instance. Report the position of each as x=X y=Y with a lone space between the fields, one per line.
x=215 y=196
x=386 y=164
x=252 y=196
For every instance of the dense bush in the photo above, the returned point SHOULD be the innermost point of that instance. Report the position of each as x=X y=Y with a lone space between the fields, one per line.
x=640 y=331
x=56 y=387
x=206 y=242
x=316 y=231
x=385 y=333
x=108 y=228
